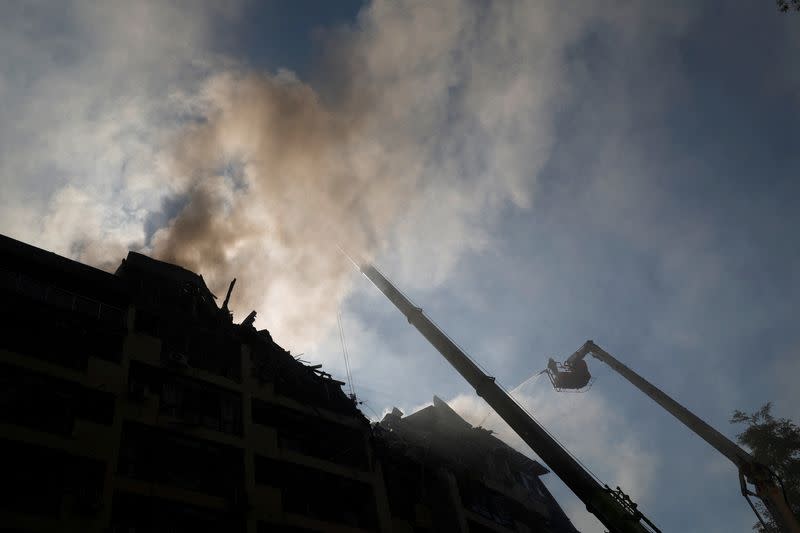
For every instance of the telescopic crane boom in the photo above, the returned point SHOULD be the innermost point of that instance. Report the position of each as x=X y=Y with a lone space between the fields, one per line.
x=613 y=508
x=574 y=374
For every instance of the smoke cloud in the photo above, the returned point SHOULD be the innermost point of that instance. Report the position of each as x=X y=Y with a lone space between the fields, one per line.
x=273 y=182
x=427 y=121
x=437 y=118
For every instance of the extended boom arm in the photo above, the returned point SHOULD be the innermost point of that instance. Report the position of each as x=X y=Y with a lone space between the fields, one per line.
x=762 y=478
x=612 y=508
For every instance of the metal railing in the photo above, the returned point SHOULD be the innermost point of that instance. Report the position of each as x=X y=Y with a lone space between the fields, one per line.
x=60 y=298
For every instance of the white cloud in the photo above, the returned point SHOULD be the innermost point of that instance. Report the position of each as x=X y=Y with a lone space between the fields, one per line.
x=86 y=106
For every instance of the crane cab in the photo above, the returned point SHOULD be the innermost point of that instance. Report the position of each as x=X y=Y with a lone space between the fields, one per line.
x=569 y=376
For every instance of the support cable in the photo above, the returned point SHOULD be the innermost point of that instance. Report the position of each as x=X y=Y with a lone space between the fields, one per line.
x=346 y=355
x=470 y=358
x=532 y=378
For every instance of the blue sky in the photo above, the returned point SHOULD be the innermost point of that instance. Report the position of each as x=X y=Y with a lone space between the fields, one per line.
x=532 y=175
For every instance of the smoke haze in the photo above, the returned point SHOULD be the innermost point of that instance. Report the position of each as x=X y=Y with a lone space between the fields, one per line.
x=437 y=119
x=429 y=121
x=271 y=182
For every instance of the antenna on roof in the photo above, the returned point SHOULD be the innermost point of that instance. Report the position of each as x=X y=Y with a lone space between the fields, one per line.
x=346 y=357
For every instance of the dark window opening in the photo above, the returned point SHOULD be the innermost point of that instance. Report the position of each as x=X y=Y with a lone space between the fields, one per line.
x=488 y=503
x=58 y=336
x=533 y=485
x=55 y=297
x=35 y=480
x=311 y=435
x=299 y=382
x=317 y=494
x=49 y=404
x=146 y=322
x=156 y=455
x=404 y=486
x=263 y=527
x=307 y=384
x=195 y=402
x=265 y=361
x=166 y=296
x=184 y=345
x=475 y=527
x=203 y=349
x=133 y=513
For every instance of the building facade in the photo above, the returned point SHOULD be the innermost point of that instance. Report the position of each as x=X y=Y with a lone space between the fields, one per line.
x=460 y=478
x=131 y=402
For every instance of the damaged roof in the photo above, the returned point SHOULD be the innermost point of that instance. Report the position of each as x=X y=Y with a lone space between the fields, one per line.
x=439 y=422
x=163 y=269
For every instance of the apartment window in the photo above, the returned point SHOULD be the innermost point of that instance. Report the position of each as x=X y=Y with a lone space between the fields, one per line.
x=146 y=322
x=186 y=346
x=57 y=297
x=317 y=494
x=475 y=527
x=263 y=527
x=48 y=404
x=61 y=298
x=488 y=503
x=312 y=435
x=156 y=455
x=113 y=316
x=532 y=484
x=300 y=383
x=134 y=513
x=215 y=352
x=59 y=336
x=194 y=402
x=35 y=479
x=265 y=361
x=404 y=485
x=9 y=281
x=32 y=288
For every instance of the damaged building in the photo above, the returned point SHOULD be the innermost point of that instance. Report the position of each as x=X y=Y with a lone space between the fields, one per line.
x=443 y=473
x=131 y=402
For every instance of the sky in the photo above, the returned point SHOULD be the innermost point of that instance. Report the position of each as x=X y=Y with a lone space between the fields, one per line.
x=532 y=174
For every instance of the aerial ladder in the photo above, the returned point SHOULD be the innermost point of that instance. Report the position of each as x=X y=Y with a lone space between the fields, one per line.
x=612 y=507
x=573 y=374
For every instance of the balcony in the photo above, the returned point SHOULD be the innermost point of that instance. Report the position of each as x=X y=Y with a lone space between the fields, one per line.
x=168 y=458
x=188 y=401
x=48 y=404
x=319 y=495
x=309 y=435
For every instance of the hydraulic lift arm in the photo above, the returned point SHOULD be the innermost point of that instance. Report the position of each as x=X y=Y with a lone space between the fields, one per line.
x=767 y=486
x=612 y=508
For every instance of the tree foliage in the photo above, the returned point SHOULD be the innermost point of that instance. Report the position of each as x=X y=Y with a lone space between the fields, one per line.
x=787 y=5
x=774 y=442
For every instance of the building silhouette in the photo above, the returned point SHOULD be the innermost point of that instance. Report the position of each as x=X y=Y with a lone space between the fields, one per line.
x=131 y=402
